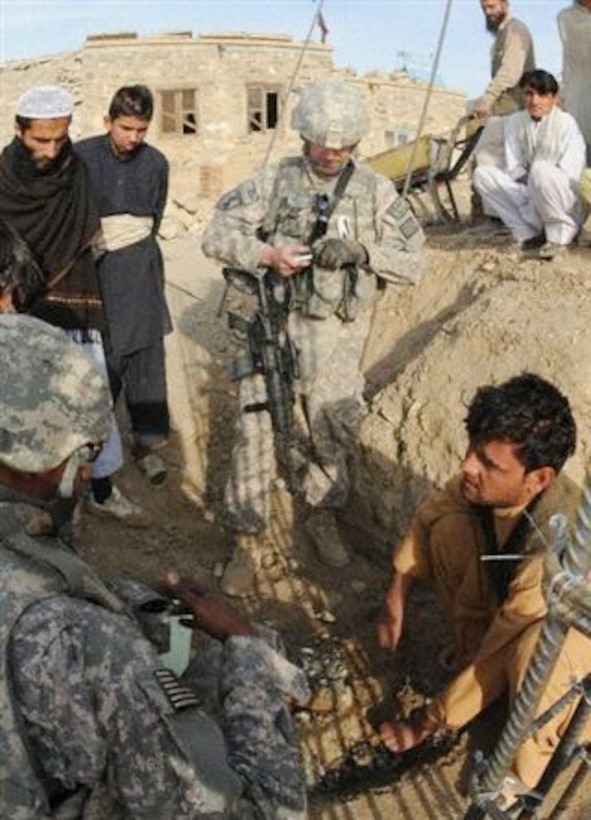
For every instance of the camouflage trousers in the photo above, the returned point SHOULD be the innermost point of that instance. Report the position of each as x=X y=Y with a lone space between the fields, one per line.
x=331 y=408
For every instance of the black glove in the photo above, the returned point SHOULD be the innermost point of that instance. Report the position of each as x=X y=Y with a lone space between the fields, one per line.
x=333 y=254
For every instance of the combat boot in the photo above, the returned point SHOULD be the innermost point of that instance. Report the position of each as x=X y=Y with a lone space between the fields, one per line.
x=238 y=579
x=322 y=527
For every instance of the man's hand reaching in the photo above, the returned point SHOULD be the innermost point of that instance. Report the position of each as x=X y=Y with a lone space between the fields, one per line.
x=210 y=613
x=389 y=625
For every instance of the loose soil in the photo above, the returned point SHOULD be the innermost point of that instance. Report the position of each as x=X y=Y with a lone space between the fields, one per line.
x=327 y=617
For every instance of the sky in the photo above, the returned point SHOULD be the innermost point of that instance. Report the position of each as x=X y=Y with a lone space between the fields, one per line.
x=366 y=35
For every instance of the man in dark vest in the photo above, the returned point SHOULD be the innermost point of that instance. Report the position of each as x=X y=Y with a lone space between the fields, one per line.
x=512 y=54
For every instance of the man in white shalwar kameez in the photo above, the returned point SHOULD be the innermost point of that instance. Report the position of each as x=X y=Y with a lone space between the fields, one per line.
x=536 y=193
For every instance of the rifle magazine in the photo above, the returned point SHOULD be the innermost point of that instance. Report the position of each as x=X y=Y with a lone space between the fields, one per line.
x=242 y=367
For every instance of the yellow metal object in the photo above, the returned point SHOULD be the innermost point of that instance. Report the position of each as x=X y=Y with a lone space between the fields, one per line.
x=394 y=163
x=427 y=164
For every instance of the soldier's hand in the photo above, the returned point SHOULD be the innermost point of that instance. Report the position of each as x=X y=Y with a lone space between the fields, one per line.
x=333 y=254
x=286 y=260
x=210 y=613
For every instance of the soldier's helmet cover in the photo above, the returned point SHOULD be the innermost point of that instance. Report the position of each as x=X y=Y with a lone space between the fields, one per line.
x=53 y=400
x=331 y=114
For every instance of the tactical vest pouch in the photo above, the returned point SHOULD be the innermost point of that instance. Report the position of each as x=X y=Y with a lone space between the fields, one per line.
x=201 y=743
x=327 y=290
x=340 y=292
x=363 y=292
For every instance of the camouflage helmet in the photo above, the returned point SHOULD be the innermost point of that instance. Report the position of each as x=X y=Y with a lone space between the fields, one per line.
x=53 y=400
x=330 y=113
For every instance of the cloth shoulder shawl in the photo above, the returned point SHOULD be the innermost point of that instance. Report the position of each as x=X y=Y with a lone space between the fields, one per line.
x=53 y=212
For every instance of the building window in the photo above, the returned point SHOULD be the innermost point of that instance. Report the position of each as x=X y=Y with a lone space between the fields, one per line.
x=400 y=135
x=179 y=111
x=263 y=108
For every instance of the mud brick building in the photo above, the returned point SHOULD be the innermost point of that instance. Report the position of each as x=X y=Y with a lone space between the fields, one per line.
x=223 y=101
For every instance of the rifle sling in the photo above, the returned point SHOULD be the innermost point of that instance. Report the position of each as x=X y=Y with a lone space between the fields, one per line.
x=256 y=407
x=340 y=187
x=315 y=234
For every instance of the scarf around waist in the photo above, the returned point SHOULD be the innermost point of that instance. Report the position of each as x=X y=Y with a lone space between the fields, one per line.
x=122 y=230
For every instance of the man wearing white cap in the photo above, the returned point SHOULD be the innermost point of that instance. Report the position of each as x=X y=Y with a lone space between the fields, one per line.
x=45 y=197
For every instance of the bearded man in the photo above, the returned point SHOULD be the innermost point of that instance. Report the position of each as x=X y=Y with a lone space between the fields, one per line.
x=45 y=198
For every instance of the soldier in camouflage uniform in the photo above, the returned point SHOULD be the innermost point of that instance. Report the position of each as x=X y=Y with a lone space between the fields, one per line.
x=370 y=236
x=90 y=724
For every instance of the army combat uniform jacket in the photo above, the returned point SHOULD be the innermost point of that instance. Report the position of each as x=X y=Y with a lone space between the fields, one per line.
x=495 y=617
x=280 y=202
x=329 y=322
x=91 y=726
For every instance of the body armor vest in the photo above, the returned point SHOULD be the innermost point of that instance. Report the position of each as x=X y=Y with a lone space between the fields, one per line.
x=321 y=293
x=32 y=571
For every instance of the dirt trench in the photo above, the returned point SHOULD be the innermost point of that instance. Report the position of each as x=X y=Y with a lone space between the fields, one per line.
x=440 y=339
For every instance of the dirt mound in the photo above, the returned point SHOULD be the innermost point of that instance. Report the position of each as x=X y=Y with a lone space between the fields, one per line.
x=480 y=315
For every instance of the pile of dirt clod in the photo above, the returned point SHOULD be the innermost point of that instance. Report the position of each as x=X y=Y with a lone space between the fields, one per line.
x=480 y=315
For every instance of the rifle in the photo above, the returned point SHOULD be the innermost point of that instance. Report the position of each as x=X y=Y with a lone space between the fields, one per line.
x=270 y=353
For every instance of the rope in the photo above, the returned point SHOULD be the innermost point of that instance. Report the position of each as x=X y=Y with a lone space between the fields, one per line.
x=423 y=117
x=292 y=80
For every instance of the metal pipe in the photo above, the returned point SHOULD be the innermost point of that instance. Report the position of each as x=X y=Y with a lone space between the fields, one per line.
x=423 y=117
x=524 y=706
x=296 y=71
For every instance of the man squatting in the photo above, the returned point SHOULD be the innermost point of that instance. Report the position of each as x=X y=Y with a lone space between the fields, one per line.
x=520 y=433
x=535 y=193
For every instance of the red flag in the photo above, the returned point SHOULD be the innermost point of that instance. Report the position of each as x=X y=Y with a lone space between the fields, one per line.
x=322 y=26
